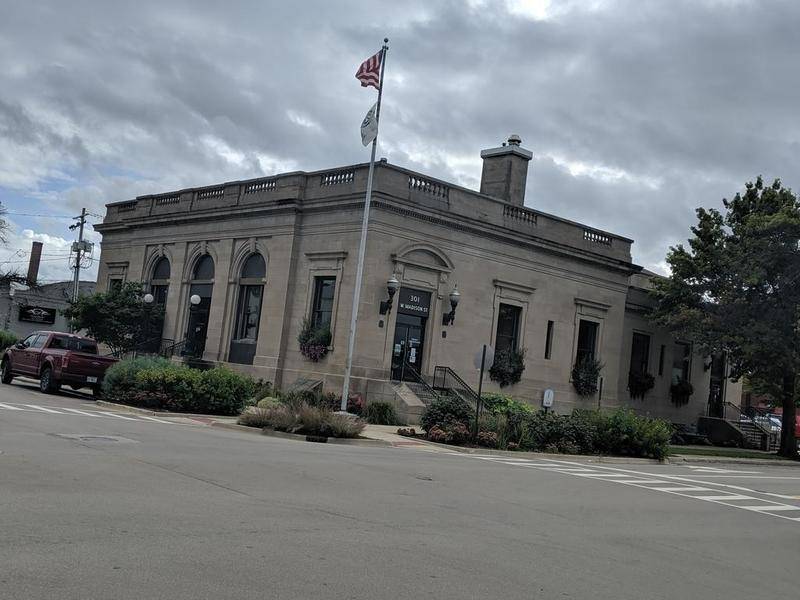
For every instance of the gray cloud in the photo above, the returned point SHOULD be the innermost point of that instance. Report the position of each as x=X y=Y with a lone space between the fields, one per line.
x=636 y=111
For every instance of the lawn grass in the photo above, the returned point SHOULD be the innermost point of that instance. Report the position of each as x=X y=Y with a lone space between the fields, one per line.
x=716 y=451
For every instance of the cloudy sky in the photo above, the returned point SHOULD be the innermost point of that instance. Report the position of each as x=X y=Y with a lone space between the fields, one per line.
x=636 y=111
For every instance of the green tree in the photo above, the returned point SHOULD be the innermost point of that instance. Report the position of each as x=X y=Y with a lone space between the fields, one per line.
x=737 y=289
x=118 y=318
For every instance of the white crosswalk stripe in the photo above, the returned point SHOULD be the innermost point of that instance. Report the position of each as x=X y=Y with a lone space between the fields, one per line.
x=43 y=409
x=9 y=407
x=64 y=411
x=667 y=484
x=82 y=412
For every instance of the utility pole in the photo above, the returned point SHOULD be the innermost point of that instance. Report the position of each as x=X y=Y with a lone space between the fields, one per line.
x=78 y=247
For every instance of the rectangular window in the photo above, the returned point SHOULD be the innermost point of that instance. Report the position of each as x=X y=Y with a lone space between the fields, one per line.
x=249 y=312
x=322 y=306
x=114 y=284
x=508 y=319
x=587 y=341
x=548 y=341
x=661 y=360
x=640 y=353
x=681 y=362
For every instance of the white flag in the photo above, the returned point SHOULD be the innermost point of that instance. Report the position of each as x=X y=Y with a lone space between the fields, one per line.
x=369 y=126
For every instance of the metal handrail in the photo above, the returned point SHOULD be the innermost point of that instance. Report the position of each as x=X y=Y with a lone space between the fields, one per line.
x=443 y=375
x=762 y=433
x=408 y=368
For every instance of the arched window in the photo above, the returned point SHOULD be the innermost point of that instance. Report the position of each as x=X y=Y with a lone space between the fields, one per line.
x=159 y=280
x=248 y=310
x=201 y=285
x=204 y=268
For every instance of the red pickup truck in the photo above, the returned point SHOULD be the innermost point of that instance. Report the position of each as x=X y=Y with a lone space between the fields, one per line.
x=54 y=359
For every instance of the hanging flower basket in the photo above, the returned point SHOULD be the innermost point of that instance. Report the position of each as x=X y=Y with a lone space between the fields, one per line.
x=314 y=341
x=508 y=367
x=585 y=375
x=680 y=392
x=639 y=383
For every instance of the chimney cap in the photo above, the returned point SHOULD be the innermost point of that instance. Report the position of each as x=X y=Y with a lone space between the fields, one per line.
x=514 y=140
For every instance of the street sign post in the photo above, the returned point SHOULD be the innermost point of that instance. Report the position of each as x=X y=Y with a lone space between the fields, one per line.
x=483 y=359
x=547 y=399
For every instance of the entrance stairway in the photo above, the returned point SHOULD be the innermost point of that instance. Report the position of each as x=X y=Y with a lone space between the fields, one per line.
x=447 y=381
x=755 y=427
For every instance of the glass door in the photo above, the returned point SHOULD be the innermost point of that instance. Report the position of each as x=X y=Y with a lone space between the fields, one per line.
x=409 y=338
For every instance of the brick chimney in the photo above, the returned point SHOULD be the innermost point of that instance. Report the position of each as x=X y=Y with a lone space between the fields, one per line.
x=33 y=263
x=505 y=171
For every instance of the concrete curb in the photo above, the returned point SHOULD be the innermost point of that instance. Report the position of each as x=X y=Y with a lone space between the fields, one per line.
x=732 y=460
x=154 y=413
x=590 y=458
x=339 y=441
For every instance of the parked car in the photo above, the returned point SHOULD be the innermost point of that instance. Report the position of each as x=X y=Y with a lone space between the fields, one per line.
x=56 y=359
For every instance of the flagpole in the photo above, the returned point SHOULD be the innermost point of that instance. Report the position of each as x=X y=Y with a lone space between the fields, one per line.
x=362 y=247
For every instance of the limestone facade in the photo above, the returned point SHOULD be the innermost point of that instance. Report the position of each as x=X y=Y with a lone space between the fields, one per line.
x=432 y=235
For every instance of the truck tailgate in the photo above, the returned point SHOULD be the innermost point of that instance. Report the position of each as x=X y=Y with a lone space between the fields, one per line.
x=88 y=365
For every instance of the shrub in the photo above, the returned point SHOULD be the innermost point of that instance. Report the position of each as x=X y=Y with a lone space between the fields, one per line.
x=343 y=426
x=680 y=391
x=625 y=433
x=381 y=413
x=314 y=340
x=449 y=433
x=585 y=375
x=508 y=367
x=223 y=392
x=503 y=404
x=160 y=384
x=269 y=402
x=255 y=416
x=639 y=383
x=7 y=339
x=445 y=411
x=119 y=382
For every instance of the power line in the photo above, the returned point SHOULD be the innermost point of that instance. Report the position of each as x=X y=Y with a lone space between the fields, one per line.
x=21 y=214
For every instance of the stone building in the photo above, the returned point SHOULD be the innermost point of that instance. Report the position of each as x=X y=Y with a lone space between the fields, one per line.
x=263 y=256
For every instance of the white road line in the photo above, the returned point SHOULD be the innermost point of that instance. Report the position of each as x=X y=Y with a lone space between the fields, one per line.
x=642 y=481
x=614 y=475
x=42 y=408
x=9 y=407
x=724 y=498
x=774 y=507
x=681 y=489
x=111 y=414
x=82 y=412
x=154 y=419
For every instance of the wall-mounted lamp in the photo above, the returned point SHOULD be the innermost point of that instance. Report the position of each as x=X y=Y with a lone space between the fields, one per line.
x=391 y=288
x=194 y=300
x=148 y=298
x=707 y=361
x=449 y=318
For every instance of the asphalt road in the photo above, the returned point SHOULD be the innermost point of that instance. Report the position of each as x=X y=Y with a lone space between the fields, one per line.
x=94 y=505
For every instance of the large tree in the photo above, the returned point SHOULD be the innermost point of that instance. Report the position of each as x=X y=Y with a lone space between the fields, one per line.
x=12 y=276
x=736 y=289
x=119 y=318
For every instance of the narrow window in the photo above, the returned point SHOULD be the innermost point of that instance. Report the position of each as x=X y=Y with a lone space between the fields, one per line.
x=681 y=362
x=661 y=360
x=114 y=284
x=548 y=342
x=508 y=319
x=640 y=352
x=322 y=306
x=159 y=281
x=587 y=341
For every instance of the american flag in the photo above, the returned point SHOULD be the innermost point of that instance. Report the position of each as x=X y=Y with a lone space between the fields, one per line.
x=369 y=73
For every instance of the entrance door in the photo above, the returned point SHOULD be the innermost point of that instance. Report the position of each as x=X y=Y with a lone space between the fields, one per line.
x=716 y=405
x=197 y=328
x=409 y=338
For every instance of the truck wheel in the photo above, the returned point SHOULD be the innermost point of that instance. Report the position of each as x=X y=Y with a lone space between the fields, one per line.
x=48 y=383
x=5 y=372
